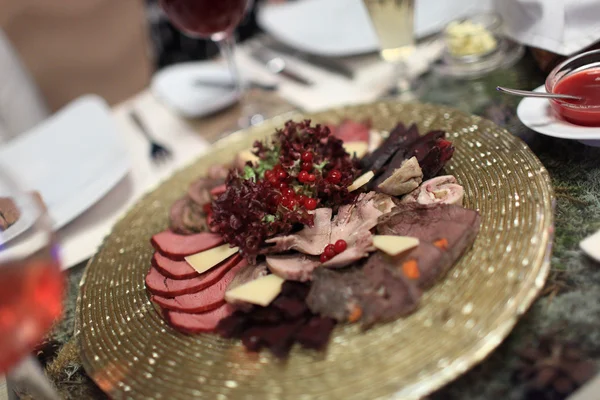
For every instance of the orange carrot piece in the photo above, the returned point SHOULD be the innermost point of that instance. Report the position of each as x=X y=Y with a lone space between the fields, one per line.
x=441 y=244
x=355 y=314
x=411 y=269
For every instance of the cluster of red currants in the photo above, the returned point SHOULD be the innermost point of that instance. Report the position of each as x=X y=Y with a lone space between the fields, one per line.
x=331 y=250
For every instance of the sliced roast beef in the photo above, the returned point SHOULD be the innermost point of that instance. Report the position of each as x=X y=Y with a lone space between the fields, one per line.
x=197 y=323
x=173 y=269
x=160 y=285
x=203 y=300
x=310 y=240
x=293 y=267
x=177 y=247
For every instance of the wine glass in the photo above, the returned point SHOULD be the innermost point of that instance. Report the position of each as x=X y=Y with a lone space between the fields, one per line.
x=393 y=21
x=216 y=20
x=31 y=285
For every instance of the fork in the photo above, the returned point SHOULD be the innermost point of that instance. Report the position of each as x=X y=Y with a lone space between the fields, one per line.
x=158 y=152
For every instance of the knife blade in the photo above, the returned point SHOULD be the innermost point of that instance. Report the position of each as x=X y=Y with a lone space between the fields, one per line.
x=325 y=63
x=277 y=65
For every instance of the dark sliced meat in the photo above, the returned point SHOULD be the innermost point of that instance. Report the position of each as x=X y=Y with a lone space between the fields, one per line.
x=335 y=293
x=203 y=300
x=197 y=323
x=160 y=285
x=412 y=213
x=176 y=246
x=380 y=157
x=173 y=269
x=390 y=295
x=293 y=267
x=194 y=219
x=199 y=191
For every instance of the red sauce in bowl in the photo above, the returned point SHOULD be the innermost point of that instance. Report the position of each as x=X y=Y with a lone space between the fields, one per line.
x=584 y=84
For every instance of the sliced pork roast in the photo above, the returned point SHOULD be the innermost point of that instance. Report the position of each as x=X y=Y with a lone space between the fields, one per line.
x=442 y=189
x=293 y=267
x=310 y=240
x=177 y=247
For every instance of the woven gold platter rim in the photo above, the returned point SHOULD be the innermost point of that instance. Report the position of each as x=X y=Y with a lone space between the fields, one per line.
x=429 y=381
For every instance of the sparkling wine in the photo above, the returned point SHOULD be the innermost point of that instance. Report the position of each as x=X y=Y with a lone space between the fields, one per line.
x=31 y=295
x=205 y=18
x=393 y=23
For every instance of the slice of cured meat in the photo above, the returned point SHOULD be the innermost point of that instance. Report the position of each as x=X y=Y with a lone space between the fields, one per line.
x=176 y=247
x=352 y=131
x=197 y=323
x=173 y=269
x=204 y=300
x=160 y=285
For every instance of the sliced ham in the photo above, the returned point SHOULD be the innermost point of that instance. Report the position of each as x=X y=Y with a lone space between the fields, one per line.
x=160 y=285
x=173 y=269
x=176 y=247
x=197 y=323
x=218 y=190
x=206 y=299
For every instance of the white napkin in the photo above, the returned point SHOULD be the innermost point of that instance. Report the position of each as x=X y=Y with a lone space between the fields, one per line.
x=372 y=77
x=80 y=239
x=562 y=27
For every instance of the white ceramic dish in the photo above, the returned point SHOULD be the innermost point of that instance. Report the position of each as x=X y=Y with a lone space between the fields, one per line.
x=342 y=28
x=181 y=88
x=537 y=115
x=72 y=159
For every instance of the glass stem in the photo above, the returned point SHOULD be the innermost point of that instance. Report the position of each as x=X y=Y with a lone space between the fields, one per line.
x=28 y=376
x=227 y=47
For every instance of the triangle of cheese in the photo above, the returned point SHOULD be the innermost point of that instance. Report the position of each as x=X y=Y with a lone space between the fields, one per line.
x=261 y=291
x=361 y=181
x=207 y=259
x=394 y=245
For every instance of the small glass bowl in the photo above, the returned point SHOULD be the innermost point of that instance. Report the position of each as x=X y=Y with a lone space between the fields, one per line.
x=579 y=114
x=491 y=24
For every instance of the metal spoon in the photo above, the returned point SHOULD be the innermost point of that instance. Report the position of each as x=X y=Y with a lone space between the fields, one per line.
x=527 y=93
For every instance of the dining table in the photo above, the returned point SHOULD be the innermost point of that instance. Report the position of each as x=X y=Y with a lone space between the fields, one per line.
x=567 y=311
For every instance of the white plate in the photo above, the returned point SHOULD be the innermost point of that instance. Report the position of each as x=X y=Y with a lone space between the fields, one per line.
x=72 y=159
x=537 y=115
x=176 y=87
x=342 y=27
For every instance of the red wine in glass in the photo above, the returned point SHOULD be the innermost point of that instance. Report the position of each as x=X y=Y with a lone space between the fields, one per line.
x=217 y=20
x=31 y=285
x=205 y=18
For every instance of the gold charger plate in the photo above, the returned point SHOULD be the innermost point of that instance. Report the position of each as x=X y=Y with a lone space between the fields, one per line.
x=131 y=353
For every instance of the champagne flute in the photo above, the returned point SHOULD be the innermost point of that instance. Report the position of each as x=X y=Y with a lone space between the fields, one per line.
x=217 y=20
x=393 y=21
x=31 y=285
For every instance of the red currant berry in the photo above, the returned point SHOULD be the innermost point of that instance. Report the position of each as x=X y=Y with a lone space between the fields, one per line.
x=282 y=185
x=307 y=156
x=310 y=204
x=288 y=192
x=301 y=199
x=273 y=181
x=329 y=251
x=285 y=202
x=281 y=174
x=334 y=176
x=276 y=199
x=303 y=176
x=306 y=166
x=323 y=258
x=311 y=178
x=269 y=174
x=292 y=203
x=278 y=167
x=340 y=246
